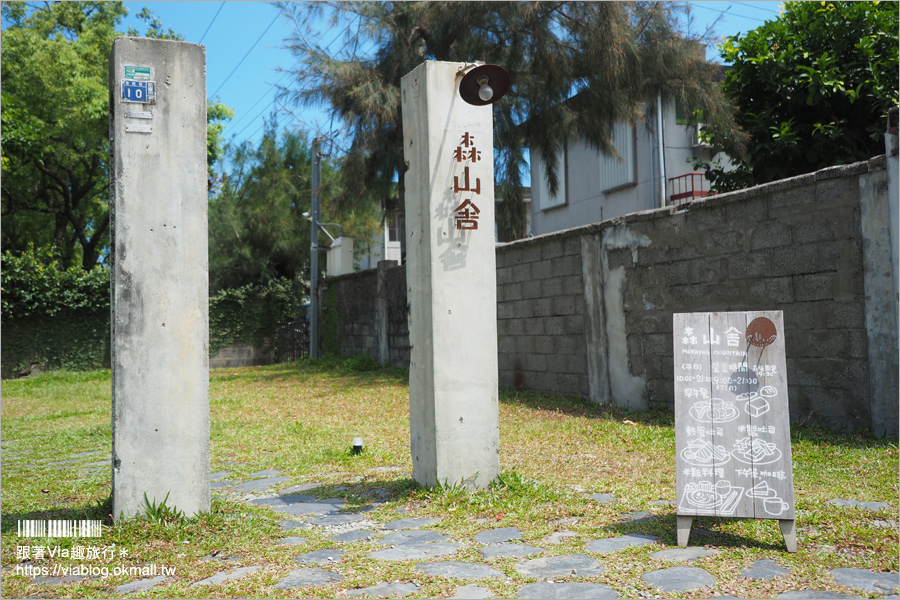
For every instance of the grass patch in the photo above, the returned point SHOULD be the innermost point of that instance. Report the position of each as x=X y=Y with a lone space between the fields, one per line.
x=300 y=419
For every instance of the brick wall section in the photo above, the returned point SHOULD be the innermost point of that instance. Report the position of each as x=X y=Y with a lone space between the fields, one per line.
x=540 y=315
x=356 y=313
x=398 y=325
x=794 y=245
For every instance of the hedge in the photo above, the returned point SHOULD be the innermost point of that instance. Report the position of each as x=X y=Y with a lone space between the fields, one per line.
x=59 y=319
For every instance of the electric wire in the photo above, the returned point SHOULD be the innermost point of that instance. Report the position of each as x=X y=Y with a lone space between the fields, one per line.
x=208 y=27
x=248 y=54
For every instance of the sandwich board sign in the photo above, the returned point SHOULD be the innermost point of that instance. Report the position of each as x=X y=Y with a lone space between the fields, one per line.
x=732 y=428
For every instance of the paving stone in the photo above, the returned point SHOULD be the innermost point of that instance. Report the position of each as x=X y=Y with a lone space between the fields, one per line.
x=260 y=485
x=298 y=505
x=222 y=484
x=384 y=590
x=637 y=515
x=471 y=592
x=558 y=537
x=357 y=535
x=80 y=454
x=102 y=463
x=410 y=523
x=219 y=475
x=862 y=579
x=291 y=540
x=683 y=554
x=679 y=579
x=458 y=570
x=578 y=565
x=413 y=537
x=504 y=550
x=497 y=536
x=338 y=519
x=604 y=545
x=265 y=473
x=812 y=595
x=858 y=504
x=290 y=525
x=227 y=576
x=318 y=557
x=303 y=487
x=548 y=590
x=305 y=577
x=764 y=569
x=140 y=584
x=604 y=498
x=416 y=551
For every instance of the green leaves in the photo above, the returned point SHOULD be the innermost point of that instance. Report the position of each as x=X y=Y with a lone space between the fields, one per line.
x=35 y=284
x=812 y=87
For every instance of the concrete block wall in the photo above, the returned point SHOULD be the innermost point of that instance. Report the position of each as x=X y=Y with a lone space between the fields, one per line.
x=588 y=311
x=540 y=315
x=795 y=246
x=353 y=316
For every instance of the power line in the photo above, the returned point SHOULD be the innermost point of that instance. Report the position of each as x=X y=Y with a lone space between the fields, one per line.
x=758 y=7
x=211 y=22
x=724 y=12
x=247 y=112
x=248 y=53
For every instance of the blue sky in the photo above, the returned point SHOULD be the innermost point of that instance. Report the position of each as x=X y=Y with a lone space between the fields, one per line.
x=245 y=48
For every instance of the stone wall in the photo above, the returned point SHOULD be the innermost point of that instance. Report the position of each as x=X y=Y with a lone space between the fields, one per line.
x=588 y=311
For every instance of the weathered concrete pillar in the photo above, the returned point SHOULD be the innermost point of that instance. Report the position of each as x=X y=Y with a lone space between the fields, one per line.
x=160 y=322
x=451 y=279
x=382 y=317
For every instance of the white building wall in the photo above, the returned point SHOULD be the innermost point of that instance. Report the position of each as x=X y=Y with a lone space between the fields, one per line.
x=591 y=184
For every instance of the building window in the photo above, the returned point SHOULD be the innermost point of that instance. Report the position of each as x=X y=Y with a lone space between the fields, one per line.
x=616 y=172
x=548 y=200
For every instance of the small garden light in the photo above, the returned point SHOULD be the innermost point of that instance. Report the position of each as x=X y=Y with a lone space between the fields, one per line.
x=357 y=445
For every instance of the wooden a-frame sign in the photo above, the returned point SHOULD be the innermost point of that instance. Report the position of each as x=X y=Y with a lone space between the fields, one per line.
x=732 y=429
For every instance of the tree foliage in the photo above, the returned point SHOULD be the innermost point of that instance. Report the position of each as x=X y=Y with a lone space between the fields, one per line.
x=257 y=231
x=55 y=125
x=812 y=88
x=576 y=68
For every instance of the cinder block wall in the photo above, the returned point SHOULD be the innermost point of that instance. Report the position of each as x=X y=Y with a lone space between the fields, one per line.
x=540 y=315
x=588 y=311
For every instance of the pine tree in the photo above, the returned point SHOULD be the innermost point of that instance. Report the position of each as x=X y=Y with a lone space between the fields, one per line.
x=576 y=69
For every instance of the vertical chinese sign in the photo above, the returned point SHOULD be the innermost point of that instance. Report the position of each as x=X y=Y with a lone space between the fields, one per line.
x=732 y=429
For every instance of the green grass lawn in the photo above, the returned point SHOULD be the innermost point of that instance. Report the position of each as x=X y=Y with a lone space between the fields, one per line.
x=300 y=419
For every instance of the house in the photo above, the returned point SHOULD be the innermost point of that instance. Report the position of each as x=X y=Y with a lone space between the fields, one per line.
x=594 y=187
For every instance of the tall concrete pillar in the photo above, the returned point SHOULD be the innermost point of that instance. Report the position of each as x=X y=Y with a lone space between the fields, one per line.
x=160 y=318
x=451 y=279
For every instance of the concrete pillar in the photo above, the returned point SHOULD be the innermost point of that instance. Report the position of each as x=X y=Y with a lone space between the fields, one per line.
x=451 y=279
x=382 y=317
x=881 y=302
x=160 y=319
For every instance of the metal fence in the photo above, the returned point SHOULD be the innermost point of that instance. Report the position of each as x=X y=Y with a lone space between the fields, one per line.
x=292 y=341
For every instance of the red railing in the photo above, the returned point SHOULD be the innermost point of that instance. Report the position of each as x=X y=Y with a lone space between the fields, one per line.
x=687 y=187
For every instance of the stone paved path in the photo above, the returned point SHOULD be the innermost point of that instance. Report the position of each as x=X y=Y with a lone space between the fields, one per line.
x=409 y=539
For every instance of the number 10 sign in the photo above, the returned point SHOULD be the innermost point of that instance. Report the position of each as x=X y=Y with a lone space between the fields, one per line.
x=732 y=430
x=139 y=91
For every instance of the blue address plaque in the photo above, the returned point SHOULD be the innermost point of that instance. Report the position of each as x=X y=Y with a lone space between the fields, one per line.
x=139 y=91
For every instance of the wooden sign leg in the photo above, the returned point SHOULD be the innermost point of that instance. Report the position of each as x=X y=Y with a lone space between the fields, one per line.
x=790 y=534
x=684 y=529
